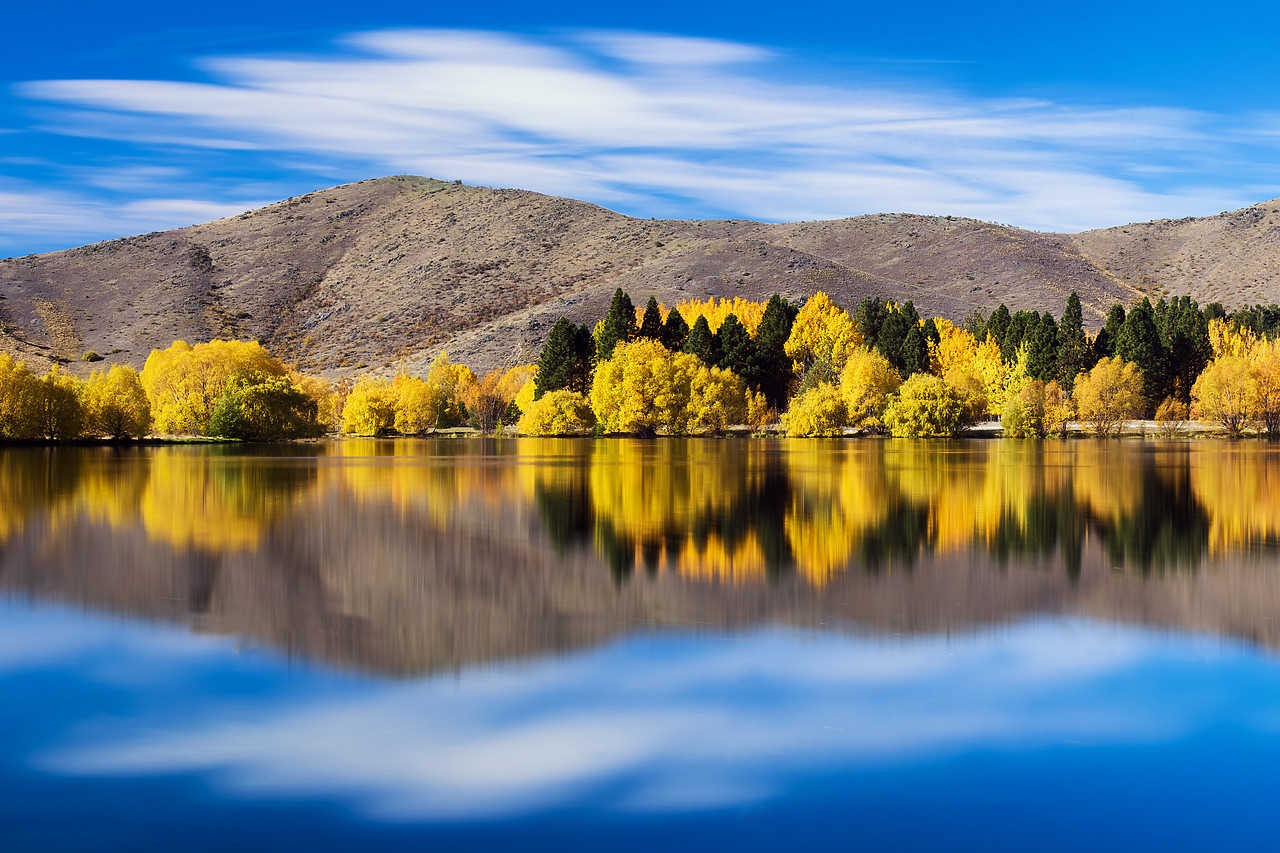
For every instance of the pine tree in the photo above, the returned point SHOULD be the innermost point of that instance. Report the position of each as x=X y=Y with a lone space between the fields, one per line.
x=769 y=370
x=1042 y=349
x=651 y=325
x=735 y=346
x=869 y=318
x=914 y=352
x=931 y=333
x=998 y=325
x=1021 y=325
x=893 y=333
x=1104 y=346
x=1073 y=345
x=559 y=359
x=1188 y=349
x=674 y=331
x=619 y=325
x=1139 y=342
x=702 y=342
x=584 y=348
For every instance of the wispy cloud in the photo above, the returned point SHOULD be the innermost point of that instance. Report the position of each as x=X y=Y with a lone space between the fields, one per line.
x=668 y=126
x=676 y=726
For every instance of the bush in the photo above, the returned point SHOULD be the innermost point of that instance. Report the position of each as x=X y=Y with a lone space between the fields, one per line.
x=1023 y=415
x=867 y=381
x=557 y=413
x=1109 y=394
x=925 y=407
x=817 y=412
x=257 y=407
x=1170 y=416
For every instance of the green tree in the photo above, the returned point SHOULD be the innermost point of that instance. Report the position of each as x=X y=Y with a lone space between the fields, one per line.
x=703 y=343
x=559 y=362
x=735 y=346
x=915 y=352
x=1187 y=346
x=1104 y=345
x=1139 y=342
x=769 y=370
x=674 y=331
x=651 y=324
x=1042 y=349
x=998 y=325
x=869 y=318
x=259 y=407
x=619 y=325
x=893 y=334
x=1073 y=344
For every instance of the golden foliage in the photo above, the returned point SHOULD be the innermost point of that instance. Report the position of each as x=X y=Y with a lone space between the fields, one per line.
x=644 y=388
x=822 y=331
x=183 y=382
x=867 y=381
x=116 y=404
x=371 y=408
x=749 y=313
x=1109 y=394
x=925 y=407
x=557 y=413
x=717 y=399
x=820 y=411
x=18 y=399
x=1227 y=392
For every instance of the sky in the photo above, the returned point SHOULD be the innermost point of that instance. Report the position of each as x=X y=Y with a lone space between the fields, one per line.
x=118 y=119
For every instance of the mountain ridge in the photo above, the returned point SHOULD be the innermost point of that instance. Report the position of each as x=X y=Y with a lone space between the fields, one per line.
x=382 y=274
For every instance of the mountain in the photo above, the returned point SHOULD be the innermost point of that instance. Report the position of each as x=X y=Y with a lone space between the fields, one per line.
x=382 y=274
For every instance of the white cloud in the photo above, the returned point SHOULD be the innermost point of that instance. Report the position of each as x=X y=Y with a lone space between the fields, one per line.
x=634 y=120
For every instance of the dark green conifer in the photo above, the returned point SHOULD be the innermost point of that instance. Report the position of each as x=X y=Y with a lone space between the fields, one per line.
x=914 y=352
x=559 y=359
x=893 y=333
x=769 y=370
x=1073 y=344
x=651 y=325
x=1104 y=346
x=1042 y=349
x=619 y=325
x=1139 y=342
x=674 y=331
x=735 y=346
x=702 y=342
x=998 y=325
x=931 y=333
x=869 y=318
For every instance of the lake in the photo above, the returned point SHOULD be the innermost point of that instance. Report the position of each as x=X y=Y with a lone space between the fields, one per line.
x=561 y=644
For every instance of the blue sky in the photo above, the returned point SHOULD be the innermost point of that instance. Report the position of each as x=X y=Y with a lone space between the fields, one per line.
x=119 y=119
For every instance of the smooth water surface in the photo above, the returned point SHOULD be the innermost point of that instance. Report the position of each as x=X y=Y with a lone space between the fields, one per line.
x=993 y=645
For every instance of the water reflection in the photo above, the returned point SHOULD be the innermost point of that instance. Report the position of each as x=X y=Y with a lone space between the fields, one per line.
x=407 y=556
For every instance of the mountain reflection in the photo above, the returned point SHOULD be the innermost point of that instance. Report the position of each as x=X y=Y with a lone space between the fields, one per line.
x=404 y=556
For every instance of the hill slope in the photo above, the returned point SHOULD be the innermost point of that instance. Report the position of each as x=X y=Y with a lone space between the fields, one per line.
x=381 y=274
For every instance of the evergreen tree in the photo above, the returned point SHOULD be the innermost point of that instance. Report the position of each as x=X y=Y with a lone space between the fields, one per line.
x=674 y=331
x=909 y=311
x=1214 y=311
x=998 y=325
x=1188 y=348
x=869 y=317
x=1104 y=346
x=893 y=333
x=584 y=347
x=1042 y=349
x=703 y=343
x=735 y=346
x=931 y=333
x=1139 y=341
x=975 y=323
x=651 y=325
x=769 y=370
x=1073 y=345
x=619 y=325
x=914 y=352
x=1021 y=325
x=559 y=359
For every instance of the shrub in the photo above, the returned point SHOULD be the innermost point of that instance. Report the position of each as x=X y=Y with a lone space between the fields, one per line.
x=817 y=412
x=557 y=413
x=925 y=406
x=867 y=381
x=1170 y=416
x=1109 y=394
x=1023 y=415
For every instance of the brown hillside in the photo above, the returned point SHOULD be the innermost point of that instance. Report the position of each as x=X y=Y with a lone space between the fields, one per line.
x=382 y=274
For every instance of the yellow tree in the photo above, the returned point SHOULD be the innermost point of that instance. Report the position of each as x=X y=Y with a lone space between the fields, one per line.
x=557 y=413
x=116 y=404
x=822 y=331
x=749 y=313
x=370 y=408
x=644 y=388
x=820 y=411
x=18 y=389
x=1264 y=359
x=183 y=382
x=956 y=348
x=717 y=399
x=1058 y=409
x=925 y=407
x=59 y=406
x=867 y=381
x=1226 y=392
x=1109 y=394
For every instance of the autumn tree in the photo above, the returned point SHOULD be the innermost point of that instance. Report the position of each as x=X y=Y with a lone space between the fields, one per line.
x=644 y=388
x=183 y=381
x=259 y=407
x=1024 y=414
x=116 y=404
x=18 y=389
x=370 y=408
x=820 y=411
x=718 y=399
x=59 y=406
x=557 y=413
x=924 y=407
x=1227 y=392
x=1109 y=394
x=822 y=330
x=867 y=382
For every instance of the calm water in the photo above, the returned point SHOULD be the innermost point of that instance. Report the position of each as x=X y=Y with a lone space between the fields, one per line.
x=553 y=644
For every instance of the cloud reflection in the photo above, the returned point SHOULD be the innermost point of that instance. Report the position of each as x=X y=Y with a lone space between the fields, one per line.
x=674 y=722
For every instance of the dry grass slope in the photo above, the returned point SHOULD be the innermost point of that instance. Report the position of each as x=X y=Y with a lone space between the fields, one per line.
x=382 y=274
